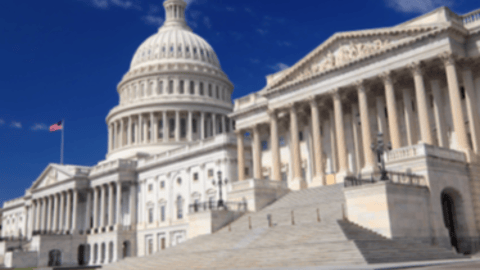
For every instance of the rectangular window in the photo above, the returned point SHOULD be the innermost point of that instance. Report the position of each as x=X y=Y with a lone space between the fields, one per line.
x=182 y=87
x=192 y=87
x=162 y=184
x=247 y=171
x=172 y=128
x=150 y=215
x=217 y=92
x=162 y=213
x=210 y=173
x=300 y=136
x=170 y=87
x=194 y=125
x=264 y=145
x=282 y=141
x=150 y=246
x=150 y=187
x=160 y=129
x=201 y=88
x=210 y=90
x=183 y=128
x=195 y=176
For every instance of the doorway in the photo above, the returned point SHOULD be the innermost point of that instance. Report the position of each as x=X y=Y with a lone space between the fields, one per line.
x=450 y=219
x=54 y=257
x=82 y=255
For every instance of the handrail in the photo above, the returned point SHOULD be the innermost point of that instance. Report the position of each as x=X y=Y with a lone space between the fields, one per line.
x=393 y=177
x=211 y=205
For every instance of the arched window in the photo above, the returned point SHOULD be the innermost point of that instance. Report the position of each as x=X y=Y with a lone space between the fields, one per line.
x=170 y=87
x=160 y=88
x=201 y=88
x=95 y=253
x=179 y=207
x=192 y=88
x=210 y=94
x=217 y=92
x=182 y=88
x=103 y=253
x=110 y=252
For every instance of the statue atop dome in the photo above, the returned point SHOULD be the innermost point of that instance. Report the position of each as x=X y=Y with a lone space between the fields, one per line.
x=174 y=15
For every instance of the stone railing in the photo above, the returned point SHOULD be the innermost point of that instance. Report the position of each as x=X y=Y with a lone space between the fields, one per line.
x=248 y=101
x=252 y=183
x=420 y=150
x=13 y=202
x=113 y=165
x=82 y=171
x=471 y=17
x=187 y=149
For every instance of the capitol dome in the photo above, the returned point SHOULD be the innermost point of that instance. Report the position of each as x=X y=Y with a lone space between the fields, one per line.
x=174 y=93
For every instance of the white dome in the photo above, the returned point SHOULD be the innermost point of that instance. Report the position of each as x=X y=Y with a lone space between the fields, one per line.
x=173 y=45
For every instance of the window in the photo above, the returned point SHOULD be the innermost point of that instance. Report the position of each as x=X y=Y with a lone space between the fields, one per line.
x=210 y=173
x=284 y=177
x=179 y=48
x=179 y=207
x=201 y=88
x=149 y=245
x=195 y=176
x=182 y=88
x=162 y=213
x=194 y=125
x=300 y=136
x=183 y=128
x=211 y=202
x=170 y=87
x=179 y=181
x=217 y=92
x=192 y=88
x=462 y=92
x=187 y=49
x=150 y=215
x=162 y=184
x=413 y=106
x=264 y=145
x=246 y=171
x=282 y=141
x=210 y=94
x=195 y=50
x=150 y=187
x=160 y=87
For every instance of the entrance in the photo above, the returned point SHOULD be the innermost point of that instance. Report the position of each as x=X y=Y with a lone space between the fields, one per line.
x=82 y=255
x=126 y=249
x=450 y=218
x=54 y=258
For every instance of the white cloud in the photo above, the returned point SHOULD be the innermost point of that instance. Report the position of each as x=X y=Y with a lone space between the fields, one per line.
x=122 y=3
x=39 y=127
x=279 y=67
x=189 y=2
x=105 y=4
x=100 y=3
x=153 y=20
x=417 y=6
x=262 y=31
x=207 y=22
x=16 y=124
x=2 y=122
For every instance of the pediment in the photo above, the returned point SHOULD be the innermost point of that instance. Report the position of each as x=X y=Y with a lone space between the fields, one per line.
x=51 y=175
x=345 y=48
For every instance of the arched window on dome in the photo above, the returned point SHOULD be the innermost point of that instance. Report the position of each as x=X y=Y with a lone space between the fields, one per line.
x=192 y=88
x=163 y=49
x=210 y=94
x=187 y=49
x=170 y=87
x=182 y=87
x=201 y=88
x=179 y=207
x=223 y=93
x=179 y=48
x=160 y=87
x=217 y=92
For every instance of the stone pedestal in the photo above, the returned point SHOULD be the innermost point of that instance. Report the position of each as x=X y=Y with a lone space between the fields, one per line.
x=210 y=221
x=257 y=193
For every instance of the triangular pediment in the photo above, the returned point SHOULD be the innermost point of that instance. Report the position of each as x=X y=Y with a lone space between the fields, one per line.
x=343 y=49
x=51 y=175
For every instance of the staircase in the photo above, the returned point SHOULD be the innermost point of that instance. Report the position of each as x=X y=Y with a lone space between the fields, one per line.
x=332 y=241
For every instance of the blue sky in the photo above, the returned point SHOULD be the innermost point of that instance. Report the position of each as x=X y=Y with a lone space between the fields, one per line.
x=64 y=58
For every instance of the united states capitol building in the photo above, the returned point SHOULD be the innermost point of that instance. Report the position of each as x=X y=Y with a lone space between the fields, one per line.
x=405 y=96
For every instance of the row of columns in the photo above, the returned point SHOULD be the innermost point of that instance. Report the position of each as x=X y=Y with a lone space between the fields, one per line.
x=166 y=86
x=98 y=196
x=367 y=154
x=56 y=212
x=149 y=123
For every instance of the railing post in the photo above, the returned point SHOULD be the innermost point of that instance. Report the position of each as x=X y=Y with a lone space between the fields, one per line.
x=293 y=220
x=343 y=212
x=250 y=222
x=269 y=218
x=318 y=215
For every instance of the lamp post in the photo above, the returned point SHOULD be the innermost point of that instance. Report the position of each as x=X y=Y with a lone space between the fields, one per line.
x=380 y=148
x=220 y=182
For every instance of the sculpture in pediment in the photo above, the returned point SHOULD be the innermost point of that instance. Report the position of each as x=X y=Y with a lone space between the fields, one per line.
x=52 y=177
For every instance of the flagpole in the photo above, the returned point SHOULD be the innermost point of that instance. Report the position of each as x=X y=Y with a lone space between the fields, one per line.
x=61 y=147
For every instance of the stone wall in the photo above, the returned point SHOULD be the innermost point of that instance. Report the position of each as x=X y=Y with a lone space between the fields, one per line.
x=20 y=259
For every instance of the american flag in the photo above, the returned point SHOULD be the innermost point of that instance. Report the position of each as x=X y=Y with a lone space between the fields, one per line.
x=55 y=127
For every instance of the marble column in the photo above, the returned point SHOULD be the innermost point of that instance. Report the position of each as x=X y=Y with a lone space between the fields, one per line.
x=341 y=142
x=119 y=203
x=150 y=129
x=472 y=111
x=202 y=125
x=317 y=144
x=121 y=133
x=438 y=108
x=102 y=205
x=138 y=137
x=155 y=127
x=257 y=154
x=44 y=215
x=369 y=158
x=145 y=130
x=297 y=182
x=276 y=160
x=110 y=138
x=129 y=131
x=166 y=134
x=74 y=210
x=88 y=215
x=190 y=126
x=381 y=119
x=95 y=208
x=333 y=142
x=110 y=204
x=133 y=198
x=422 y=104
x=69 y=212
x=241 y=155
x=177 y=126
x=116 y=143
x=55 y=212
x=409 y=118
x=49 y=213
x=38 y=217
x=392 y=111
x=357 y=140
x=61 y=219
x=456 y=103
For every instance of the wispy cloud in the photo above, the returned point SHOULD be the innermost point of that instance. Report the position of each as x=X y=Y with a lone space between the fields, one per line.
x=231 y=9
x=284 y=44
x=16 y=124
x=105 y=4
x=262 y=32
x=39 y=127
x=236 y=35
x=207 y=22
x=254 y=61
x=279 y=67
x=122 y=3
x=249 y=11
x=2 y=122
x=153 y=20
x=417 y=6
